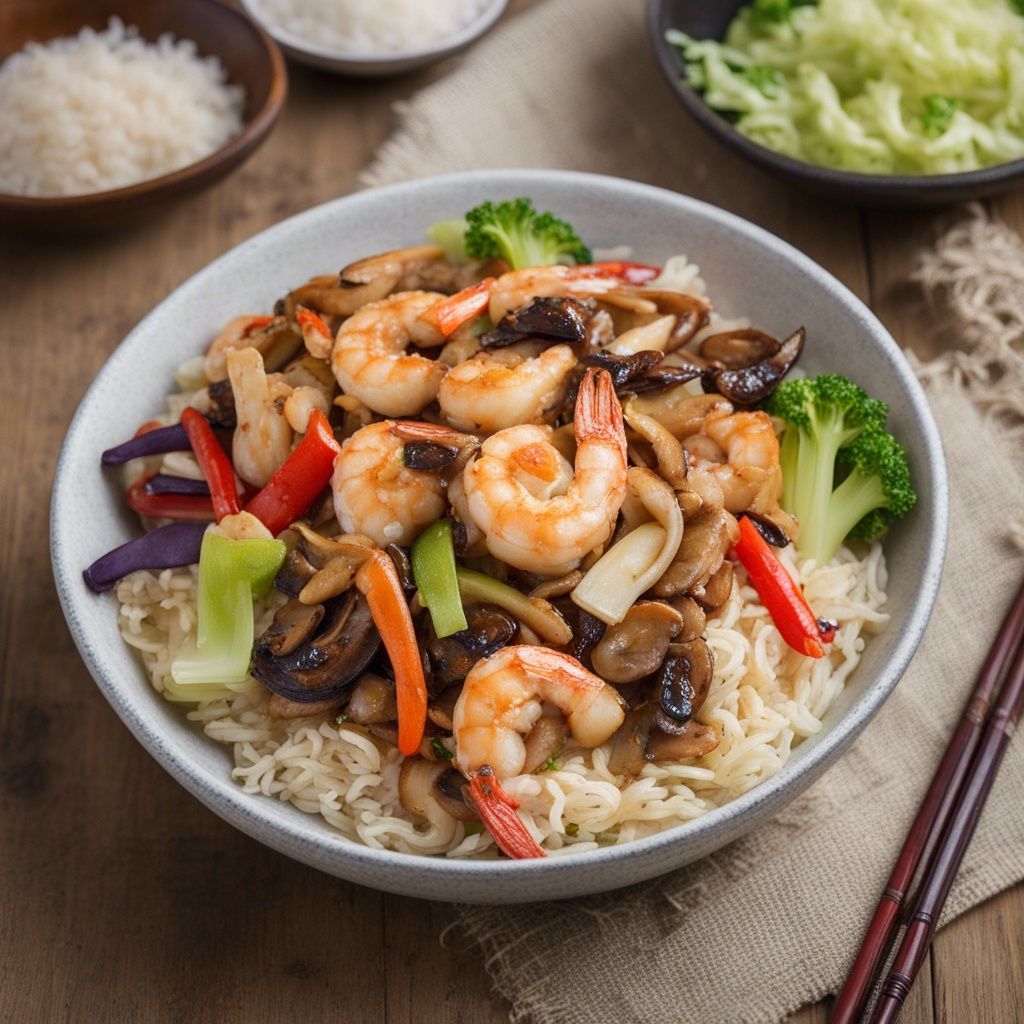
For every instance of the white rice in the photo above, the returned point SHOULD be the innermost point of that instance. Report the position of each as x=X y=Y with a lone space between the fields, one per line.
x=102 y=110
x=368 y=27
x=764 y=699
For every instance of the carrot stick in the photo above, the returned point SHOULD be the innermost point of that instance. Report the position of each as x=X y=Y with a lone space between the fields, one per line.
x=378 y=580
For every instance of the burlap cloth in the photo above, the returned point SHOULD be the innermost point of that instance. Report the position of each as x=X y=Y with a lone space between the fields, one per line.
x=769 y=923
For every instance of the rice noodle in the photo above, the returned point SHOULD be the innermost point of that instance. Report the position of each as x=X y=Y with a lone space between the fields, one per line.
x=764 y=699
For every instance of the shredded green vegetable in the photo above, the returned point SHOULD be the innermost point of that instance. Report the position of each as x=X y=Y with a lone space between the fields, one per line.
x=875 y=86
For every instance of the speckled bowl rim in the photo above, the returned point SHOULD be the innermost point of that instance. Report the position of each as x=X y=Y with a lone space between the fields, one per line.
x=302 y=49
x=262 y=818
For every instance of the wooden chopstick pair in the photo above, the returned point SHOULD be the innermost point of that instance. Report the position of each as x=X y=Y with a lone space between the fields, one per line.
x=940 y=834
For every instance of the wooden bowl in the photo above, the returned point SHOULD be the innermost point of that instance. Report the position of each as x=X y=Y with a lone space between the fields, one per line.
x=708 y=19
x=252 y=60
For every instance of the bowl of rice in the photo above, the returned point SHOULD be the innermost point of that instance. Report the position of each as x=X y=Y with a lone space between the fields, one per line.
x=859 y=100
x=374 y=38
x=323 y=796
x=105 y=118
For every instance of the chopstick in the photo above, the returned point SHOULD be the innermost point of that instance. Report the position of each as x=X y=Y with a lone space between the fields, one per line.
x=941 y=830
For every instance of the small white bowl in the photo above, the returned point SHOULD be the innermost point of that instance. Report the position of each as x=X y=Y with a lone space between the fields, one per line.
x=749 y=272
x=377 y=65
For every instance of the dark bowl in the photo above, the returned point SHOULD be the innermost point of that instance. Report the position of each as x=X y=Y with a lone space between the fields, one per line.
x=250 y=56
x=708 y=19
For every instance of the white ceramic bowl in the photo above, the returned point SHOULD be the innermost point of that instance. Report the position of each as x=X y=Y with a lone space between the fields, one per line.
x=748 y=272
x=382 y=64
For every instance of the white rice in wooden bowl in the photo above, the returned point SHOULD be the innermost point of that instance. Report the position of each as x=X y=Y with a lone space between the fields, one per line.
x=103 y=110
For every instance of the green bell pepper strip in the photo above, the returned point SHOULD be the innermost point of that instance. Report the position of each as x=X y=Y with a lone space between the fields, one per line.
x=231 y=574
x=433 y=568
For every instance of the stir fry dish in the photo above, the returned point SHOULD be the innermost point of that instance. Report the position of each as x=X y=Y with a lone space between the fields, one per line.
x=494 y=546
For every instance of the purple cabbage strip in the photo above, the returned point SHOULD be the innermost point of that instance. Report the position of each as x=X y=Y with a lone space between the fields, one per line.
x=155 y=442
x=163 y=548
x=164 y=483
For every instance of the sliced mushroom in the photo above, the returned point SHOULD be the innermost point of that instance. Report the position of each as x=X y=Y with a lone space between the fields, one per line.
x=296 y=571
x=451 y=790
x=441 y=709
x=222 y=405
x=488 y=629
x=282 y=707
x=636 y=646
x=427 y=455
x=679 y=411
x=631 y=307
x=556 y=319
x=400 y=557
x=324 y=665
x=695 y=740
x=557 y=587
x=694 y=619
x=416 y=789
x=683 y=684
x=706 y=539
x=629 y=744
x=734 y=350
x=752 y=384
x=667 y=450
x=624 y=368
x=545 y=739
x=770 y=530
x=372 y=700
x=716 y=591
x=293 y=625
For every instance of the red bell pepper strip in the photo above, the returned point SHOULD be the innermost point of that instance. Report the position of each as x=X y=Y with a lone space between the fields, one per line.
x=299 y=479
x=778 y=592
x=633 y=273
x=498 y=811
x=378 y=580
x=184 y=507
x=452 y=312
x=214 y=463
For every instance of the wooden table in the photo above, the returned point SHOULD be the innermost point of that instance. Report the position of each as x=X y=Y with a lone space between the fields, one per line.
x=123 y=899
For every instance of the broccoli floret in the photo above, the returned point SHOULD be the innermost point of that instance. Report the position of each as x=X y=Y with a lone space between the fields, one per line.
x=875 y=491
x=823 y=416
x=515 y=232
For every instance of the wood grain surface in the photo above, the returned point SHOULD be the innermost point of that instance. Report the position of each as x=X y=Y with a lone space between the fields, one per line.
x=123 y=899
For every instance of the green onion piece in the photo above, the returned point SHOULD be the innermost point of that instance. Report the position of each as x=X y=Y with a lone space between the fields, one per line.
x=540 y=615
x=572 y=829
x=440 y=749
x=473 y=828
x=433 y=567
x=231 y=574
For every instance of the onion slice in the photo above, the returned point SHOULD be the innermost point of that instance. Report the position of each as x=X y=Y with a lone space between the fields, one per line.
x=638 y=560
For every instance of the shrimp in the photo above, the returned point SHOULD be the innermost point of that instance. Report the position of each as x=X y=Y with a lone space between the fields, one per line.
x=376 y=495
x=370 y=361
x=504 y=387
x=504 y=695
x=263 y=436
x=740 y=453
x=536 y=516
x=235 y=334
x=519 y=287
